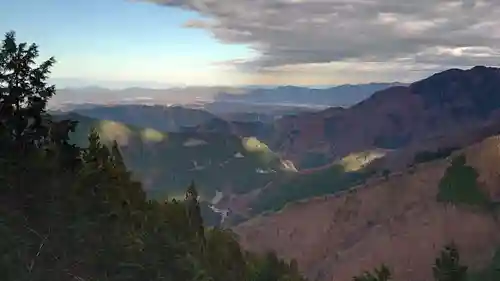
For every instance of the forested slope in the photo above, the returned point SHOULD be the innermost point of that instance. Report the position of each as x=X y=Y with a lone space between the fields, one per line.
x=71 y=213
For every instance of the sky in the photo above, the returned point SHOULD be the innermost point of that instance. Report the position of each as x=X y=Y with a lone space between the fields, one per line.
x=255 y=42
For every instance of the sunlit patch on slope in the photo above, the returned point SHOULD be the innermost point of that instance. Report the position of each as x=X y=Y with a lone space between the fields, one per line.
x=252 y=144
x=357 y=161
x=151 y=135
x=288 y=166
x=114 y=131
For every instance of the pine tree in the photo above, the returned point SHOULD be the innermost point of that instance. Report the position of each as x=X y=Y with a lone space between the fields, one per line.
x=447 y=266
x=195 y=221
x=132 y=195
x=25 y=125
x=379 y=274
x=229 y=263
x=23 y=92
x=117 y=156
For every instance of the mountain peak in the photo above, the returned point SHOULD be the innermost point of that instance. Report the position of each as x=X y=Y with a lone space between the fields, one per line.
x=482 y=67
x=460 y=74
x=478 y=86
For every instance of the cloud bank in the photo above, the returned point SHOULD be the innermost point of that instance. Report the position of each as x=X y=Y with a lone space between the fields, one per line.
x=389 y=36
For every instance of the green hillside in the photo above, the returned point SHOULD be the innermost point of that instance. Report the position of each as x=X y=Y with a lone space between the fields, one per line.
x=341 y=175
x=167 y=162
x=297 y=186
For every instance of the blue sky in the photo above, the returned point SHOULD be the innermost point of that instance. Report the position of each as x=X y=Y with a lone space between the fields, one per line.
x=120 y=40
x=313 y=42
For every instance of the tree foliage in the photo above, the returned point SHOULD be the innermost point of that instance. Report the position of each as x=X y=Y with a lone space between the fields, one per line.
x=447 y=266
x=71 y=213
x=490 y=272
x=379 y=274
x=459 y=185
x=327 y=181
x=440 y=153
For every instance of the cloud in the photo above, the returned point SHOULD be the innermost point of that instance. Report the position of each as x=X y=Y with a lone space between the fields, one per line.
x=290 y=34
x=197 y=24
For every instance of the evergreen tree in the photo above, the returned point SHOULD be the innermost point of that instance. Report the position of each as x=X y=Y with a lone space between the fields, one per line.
x=230 y=263
x=25 y=127
x=23 y=92
x=193 y=210
x=447 y=266
x=117 y=156
x=379 y=274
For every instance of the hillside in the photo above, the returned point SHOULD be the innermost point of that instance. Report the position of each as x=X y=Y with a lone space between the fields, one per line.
x=303 y=184
x=261 y=130
x=442 y=105
x=398 y=221
x=232 y=168
x=167 y=162
x=299 y=186
x=158 y=117
x=235 y=109
x=228 y=167
x=186 y=119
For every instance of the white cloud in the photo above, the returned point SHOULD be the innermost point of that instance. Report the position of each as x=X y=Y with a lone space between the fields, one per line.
x=328 y=34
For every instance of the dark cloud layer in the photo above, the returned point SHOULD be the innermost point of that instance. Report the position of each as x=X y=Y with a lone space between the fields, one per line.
x=419 y=33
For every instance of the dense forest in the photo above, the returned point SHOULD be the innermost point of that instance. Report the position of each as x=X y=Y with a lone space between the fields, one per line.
x=71 y=213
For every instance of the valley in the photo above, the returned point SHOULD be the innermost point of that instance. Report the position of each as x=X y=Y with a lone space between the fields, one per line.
x=368 y=174
x=239 y=140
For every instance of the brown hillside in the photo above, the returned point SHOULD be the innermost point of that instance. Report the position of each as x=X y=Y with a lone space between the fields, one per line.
x=397 y=222
x=446 y=103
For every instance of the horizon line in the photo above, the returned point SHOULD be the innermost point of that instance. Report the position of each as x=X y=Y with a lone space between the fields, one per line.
x=256 y=86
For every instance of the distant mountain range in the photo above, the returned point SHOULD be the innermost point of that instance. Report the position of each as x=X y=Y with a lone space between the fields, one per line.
x=285 y=96
x=343 y=96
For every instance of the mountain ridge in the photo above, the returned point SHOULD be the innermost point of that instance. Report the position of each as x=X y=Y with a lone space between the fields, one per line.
x=342 y=95
x=394 y=117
